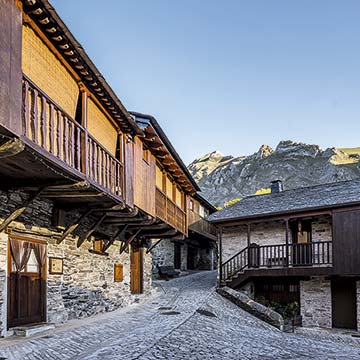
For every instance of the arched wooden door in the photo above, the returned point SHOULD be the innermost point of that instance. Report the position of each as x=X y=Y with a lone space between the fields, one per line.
x=27 y=287
x=136 y=270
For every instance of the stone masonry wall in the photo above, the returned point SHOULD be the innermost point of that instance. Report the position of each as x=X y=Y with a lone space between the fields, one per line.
x=315 y=302
x=162 y=255
x=271 y=233
x=87 y=285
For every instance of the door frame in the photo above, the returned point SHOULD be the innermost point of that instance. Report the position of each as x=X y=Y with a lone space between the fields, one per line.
x=43 y=277
x=349 y=282
x=136 y=285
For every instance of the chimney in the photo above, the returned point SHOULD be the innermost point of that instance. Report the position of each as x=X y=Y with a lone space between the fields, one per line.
x=276 y=186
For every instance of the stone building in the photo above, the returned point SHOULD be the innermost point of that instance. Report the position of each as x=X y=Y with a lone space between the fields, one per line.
x=80 y=194
x=296 y=248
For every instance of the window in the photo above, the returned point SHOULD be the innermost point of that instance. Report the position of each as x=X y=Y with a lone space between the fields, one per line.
x=301 y=231
x=191 y=205
x=98 y=245
x=201 y=211
x=146 y=155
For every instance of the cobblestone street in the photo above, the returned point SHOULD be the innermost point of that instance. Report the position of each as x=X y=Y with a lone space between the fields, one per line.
x=171 y=325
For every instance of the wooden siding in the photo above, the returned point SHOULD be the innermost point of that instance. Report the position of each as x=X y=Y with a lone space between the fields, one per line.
x=129 y=171
x=346 y=242
x=10 y=69
x=144 y=191
x=101 y=128
x=41 y=65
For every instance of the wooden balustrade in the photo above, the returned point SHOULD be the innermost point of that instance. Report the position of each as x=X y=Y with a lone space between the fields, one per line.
x=199 y=224
x=278 y=256
x=169 y=212
x=51 y=128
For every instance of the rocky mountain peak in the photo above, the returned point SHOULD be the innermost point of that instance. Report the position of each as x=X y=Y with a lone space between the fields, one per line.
x=224 y=178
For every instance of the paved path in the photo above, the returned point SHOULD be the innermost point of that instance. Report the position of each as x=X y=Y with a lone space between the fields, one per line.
x=146 y=332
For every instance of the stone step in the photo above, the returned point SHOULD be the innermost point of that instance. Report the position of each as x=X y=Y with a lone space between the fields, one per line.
x=32 y=329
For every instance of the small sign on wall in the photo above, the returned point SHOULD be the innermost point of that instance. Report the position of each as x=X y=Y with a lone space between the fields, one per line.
x=55 y=266
x=118 y=272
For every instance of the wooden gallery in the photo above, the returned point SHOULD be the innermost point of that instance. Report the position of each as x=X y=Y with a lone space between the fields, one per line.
x=87 y=190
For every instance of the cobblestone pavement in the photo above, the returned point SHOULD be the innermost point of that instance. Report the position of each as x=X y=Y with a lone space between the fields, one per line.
x=172 y=325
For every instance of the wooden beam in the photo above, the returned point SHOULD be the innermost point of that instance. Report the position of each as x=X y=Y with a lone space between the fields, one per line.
x=87 y=234
x=129 y=241
x=153 y=245
x=16 y=213
x=73 y=226
x=120 y=233
x=11 y=148
x=167 y=233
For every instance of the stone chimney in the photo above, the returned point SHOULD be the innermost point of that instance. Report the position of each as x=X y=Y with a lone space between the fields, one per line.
x=276 y=186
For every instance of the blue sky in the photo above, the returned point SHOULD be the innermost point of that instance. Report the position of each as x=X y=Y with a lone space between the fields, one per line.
x=230 y=75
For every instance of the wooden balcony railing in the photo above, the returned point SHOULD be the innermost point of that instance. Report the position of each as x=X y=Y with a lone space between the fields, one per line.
x=199 y=224
x=169 y=212
x=278 y=256
x=51 y=128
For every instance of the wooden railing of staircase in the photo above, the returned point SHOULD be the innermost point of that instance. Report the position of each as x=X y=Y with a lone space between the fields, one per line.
x=278 y=256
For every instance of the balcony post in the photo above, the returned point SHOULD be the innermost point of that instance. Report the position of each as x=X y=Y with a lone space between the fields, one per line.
x=219 y=236
x=84 y=124
x=287 y=241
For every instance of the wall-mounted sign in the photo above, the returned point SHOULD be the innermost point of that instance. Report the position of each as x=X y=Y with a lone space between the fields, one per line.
x=118 y=272
x=55 y=266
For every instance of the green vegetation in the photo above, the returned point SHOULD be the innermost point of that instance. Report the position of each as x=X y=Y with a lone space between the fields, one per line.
x=232 y=202
x=351 y=151
x=263 y=191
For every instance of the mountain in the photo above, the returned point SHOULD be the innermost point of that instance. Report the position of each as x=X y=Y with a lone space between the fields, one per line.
x=224 y=178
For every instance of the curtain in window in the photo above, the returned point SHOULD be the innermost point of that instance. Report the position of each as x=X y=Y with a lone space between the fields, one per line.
x=20 y=252
x=40 y=254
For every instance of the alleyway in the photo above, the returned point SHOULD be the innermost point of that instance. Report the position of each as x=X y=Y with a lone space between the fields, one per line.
x=170 y=327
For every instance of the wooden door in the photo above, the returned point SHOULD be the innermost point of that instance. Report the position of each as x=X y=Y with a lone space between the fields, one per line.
x=191 y=257
x=26 y=293
x=343 y=300
x=177 y=256
x=302 y=247
x=136 y=270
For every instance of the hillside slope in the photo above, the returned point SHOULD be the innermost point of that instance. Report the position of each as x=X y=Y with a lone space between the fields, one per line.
x=223 y=178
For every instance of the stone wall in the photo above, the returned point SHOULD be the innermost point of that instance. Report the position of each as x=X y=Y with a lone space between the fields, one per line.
x=270 y=233
x=87 y=285
x=315 y=302
x=184 y=251
x=162 y=255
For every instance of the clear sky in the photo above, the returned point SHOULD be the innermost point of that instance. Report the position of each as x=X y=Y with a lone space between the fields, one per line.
x=230 y=75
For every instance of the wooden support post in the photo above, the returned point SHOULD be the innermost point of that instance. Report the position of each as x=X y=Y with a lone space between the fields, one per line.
x=129 y=241
x=152 y=246
x=16 y=213
x=87 y=234
x=287 y=241
x=72 y=227
x=220 y=233
x=248 y=234
x=120 y=233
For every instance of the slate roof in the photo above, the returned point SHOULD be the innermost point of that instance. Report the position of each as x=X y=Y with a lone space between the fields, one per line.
x=301 y=199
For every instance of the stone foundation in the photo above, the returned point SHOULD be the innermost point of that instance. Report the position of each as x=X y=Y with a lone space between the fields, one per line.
x=87 y=285
x=315 y=303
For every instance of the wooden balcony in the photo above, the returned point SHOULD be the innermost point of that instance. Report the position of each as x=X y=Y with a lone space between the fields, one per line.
x=67 y=142
x=302 y=258
x=200 y=225
x=169 y=212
